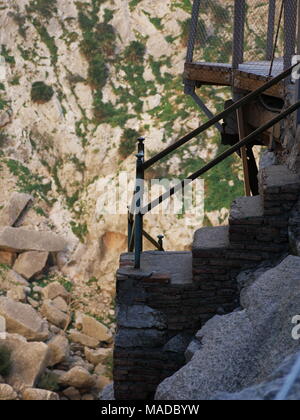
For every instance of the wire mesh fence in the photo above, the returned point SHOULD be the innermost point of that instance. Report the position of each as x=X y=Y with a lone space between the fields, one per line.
x=264 y=32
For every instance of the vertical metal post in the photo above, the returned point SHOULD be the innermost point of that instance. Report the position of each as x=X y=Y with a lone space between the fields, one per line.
x=271 y=29
x=290 y=22
x=139 y=194
x=161 y=242
x=193 y=31
x=130 y=228
x=238 y=33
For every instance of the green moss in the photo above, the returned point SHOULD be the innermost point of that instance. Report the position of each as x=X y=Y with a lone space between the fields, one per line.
x=108 y=15
x=128 y=142
x=41 y=93
x=5 y=361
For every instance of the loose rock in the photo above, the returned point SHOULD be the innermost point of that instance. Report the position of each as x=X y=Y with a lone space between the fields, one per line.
x=30 y=264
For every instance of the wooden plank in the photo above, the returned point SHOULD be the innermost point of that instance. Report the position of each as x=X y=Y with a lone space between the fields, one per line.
x=206 y=74
x=243 y=82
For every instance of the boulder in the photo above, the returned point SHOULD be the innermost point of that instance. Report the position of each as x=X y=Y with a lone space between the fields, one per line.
x=83 y=339
x=7 y=393
x=30 y=264
x=9 y=278
x=91 y=327
x=14 y=209
x=59 y=350
x=53 y=290
x=17 y=293
x=61 y=304
x=31 y=394
x=29 y=361
x=20 y=240
x=23 y=319
x=72 y=394
x=243 y=348
x=54 y=315
x=101 y=382
x=268 y=390
x=77 y=377
x=97 y=356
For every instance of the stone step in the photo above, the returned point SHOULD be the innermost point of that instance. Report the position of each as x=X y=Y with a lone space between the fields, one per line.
x=247 y=211
x=209 y=241
x=279 y=188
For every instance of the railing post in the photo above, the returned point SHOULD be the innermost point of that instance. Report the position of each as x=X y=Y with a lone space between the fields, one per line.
x=290 y=23
x=161 y=242
x=130 y=228
x=271 y=30
x=238 y=33
x=139 y=202
x=193 y=31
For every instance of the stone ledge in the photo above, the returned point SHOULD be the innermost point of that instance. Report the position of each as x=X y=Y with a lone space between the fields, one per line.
x=210 y=239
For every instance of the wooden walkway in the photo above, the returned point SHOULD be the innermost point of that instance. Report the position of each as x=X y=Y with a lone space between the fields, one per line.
x=248 y=77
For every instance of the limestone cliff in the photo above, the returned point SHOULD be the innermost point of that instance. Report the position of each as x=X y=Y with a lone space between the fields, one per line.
x=80 y=81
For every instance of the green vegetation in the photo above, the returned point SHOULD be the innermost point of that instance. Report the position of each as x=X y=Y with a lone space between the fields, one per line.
x=45 y=8
x=5 y=361
x=128 y=142
x=80 y=230
x=29 y=183
x=49 y=381
x=6 y=54
x=133 y=4
x=41 y=93
x=48 y=40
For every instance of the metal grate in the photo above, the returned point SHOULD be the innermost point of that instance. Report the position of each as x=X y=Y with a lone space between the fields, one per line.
x=263 y=31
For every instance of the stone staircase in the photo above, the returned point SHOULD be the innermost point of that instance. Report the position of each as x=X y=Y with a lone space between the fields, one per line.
x=166 y=289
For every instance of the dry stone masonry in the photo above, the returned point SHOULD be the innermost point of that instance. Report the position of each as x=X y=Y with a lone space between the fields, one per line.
x=161 y=306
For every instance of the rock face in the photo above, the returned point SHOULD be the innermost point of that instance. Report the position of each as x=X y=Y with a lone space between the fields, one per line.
x=29 y=264
x=23 y=319
x=242 y=348
x=13 y=210
x=268 y=390
x=20 y=239
x=29 y=361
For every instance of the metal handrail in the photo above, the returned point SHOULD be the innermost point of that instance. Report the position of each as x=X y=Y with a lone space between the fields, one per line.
x=136 y=227
x=246 y=99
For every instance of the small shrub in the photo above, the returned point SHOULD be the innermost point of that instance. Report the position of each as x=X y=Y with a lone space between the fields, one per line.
x=45 y=8
x=41 y=93
x=5 y=361
x=98 y=72
x=135 y=51
x=128 y=142
x=49 y=381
